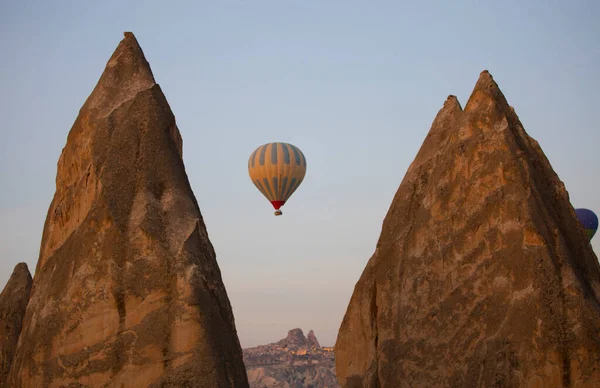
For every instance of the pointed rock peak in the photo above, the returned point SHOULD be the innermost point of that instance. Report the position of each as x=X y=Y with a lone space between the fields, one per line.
x=127 y=73
x=124 y=220
x=129 y=55
x=296 y=333
x=485 y=74
x=487 y=99
x=441 y=128
x=485 y=81
x=480 y=262
x=20 y=278
x=452 y=103
x=22 y=268
x=13 y=303
x=450 y=110
x=311 y=340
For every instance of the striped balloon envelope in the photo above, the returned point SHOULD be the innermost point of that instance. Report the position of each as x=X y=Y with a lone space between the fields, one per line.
x=277 y=169
x=588 y=220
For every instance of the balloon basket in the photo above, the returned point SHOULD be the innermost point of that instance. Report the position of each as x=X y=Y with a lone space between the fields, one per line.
x=278 y=212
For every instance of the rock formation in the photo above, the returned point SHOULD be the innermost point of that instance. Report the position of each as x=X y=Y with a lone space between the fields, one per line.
x=127 y=291
x=295 y=337
x=482 y=275
x=292 y=362
x=311 y=340
x=13 y=301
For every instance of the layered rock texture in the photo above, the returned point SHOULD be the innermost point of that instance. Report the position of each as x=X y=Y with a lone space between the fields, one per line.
x=127 y=291
x=13 y=301
x=482 y=275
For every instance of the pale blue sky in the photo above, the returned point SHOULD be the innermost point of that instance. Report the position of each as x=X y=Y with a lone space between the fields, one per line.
x=355 y=85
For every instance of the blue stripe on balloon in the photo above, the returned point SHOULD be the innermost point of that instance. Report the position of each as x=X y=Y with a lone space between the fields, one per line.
x=284 y=181
x=286 y=153
x=254 y=157
x=296 y=153
x=276 y=188
x=290 y=188
x=274 y=153
x=268 y=186
x=261 y=160
x=259 y=185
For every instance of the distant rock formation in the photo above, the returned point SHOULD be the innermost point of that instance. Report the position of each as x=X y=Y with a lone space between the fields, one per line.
x=311 y=340
x=293 y=362
x=482 y=275
x=13 y=301
x=127 y=291
x=294 y=337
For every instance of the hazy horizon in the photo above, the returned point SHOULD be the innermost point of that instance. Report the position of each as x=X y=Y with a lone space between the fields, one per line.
x=355 y=87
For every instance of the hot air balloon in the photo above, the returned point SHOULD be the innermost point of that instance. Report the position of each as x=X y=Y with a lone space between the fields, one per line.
x=277 y=169
x=588 y=220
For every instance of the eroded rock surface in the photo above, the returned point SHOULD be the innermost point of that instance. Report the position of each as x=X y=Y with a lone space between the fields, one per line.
x=482 y=275
x=127 y=291
x=13 y=301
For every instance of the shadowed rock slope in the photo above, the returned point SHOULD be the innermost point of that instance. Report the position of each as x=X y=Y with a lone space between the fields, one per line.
x=13 y=301
x=127 y=291
x=482 y=275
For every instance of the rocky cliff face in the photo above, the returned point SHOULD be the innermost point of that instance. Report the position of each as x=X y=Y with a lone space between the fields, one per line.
x=482 y=276
x=127 y=291
x=13 y=301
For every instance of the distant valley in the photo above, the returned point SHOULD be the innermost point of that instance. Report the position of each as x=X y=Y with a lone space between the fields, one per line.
x=293 y=362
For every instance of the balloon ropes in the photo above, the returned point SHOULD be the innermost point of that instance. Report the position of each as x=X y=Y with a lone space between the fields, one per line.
x=588 y=220
x=277 y=169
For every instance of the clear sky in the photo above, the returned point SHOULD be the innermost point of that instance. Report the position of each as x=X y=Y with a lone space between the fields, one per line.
x=355 y=85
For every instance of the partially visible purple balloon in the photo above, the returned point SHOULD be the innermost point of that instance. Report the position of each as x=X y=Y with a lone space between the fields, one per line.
x=588 y=220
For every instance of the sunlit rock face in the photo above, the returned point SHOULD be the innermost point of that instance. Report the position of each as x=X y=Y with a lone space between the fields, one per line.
x=482 y=275
x=127 y=291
